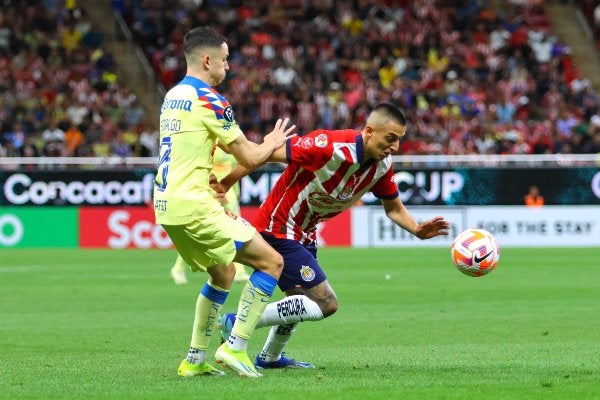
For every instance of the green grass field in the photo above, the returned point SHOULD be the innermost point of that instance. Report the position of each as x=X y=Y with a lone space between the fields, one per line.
x=111 y=324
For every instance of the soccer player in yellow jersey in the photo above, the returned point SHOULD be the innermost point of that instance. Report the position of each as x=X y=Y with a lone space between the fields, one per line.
x=223 y=164
x=193 y=119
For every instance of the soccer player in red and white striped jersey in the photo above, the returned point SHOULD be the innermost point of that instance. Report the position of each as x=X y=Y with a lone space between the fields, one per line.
x=327 y=172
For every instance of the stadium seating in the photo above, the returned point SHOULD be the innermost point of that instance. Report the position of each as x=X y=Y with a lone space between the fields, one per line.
x=475 y=77
x=61 y=93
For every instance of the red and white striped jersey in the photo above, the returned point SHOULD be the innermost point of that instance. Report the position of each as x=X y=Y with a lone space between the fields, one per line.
x=326 y=174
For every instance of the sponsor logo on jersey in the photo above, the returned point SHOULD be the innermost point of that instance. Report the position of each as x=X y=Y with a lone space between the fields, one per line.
x=306 y=142
x=321 y=140
x=325 y=201
x=176 y=104
x=307 y=273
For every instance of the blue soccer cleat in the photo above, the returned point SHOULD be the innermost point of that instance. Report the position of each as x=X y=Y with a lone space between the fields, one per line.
x=283 y=362
x=225 y=325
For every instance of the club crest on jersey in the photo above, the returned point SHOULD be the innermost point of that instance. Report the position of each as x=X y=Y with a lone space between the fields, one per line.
x=307 y=273
x=321 y=140
x=346 y=193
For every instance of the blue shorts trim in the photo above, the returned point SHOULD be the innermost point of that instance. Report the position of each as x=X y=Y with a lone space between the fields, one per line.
x=300 y=265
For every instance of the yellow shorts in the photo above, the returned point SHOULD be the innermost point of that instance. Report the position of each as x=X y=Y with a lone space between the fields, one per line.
x=207 y=242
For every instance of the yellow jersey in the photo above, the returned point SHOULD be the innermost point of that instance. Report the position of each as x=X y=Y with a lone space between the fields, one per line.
x=193 y=118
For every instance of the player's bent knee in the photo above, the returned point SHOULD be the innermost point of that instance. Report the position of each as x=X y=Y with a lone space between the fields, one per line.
x=271 y=263
x=328 y=307
x=275 y=266
x=222 y=275
x=331 y=309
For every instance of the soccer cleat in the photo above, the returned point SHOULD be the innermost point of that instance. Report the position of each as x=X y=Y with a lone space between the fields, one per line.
x=205 y=369
x=225 y=325
x=283 y=362
x=178 y=276
x=237 y=361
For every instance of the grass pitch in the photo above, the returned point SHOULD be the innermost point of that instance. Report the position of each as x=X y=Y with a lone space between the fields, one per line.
x=111 y=324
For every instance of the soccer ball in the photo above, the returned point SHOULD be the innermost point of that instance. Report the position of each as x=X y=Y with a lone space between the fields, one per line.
x=475 y=252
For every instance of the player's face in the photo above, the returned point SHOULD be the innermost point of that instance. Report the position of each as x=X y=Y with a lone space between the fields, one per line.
x=383 y=140
x=218 y=65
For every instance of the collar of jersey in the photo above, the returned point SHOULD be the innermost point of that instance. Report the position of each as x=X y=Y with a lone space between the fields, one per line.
x=360 y=154
x=360 y=149
x=192 y=81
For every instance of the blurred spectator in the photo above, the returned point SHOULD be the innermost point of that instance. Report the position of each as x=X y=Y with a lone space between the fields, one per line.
x=73 y=140
x=533 y=198
x=54 y=139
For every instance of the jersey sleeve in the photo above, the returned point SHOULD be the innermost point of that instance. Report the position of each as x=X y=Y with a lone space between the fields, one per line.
x=310 y=151
x=219 y=119
x=386 y=188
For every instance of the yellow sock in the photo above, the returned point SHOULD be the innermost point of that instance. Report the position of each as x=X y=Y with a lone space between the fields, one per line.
x=209 y=303
x=254 y=299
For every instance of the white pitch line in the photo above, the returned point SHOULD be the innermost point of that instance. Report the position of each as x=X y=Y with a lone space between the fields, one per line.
x=57 y=268
x=22 y=268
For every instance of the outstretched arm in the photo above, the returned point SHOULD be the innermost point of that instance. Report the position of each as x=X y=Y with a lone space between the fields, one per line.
x=252 y=155
x=395 y=210
x=279 y=155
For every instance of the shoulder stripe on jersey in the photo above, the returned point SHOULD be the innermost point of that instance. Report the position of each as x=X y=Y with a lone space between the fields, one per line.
x=213 y=101
x=208 y=97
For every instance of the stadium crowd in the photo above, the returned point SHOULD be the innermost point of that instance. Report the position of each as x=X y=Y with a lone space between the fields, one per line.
x=60 y=92
x=475 y=77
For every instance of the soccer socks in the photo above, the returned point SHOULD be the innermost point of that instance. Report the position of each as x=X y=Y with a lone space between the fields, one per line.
x=254 y=299
x=208 y=305
x=289 y=310
x=276 y=341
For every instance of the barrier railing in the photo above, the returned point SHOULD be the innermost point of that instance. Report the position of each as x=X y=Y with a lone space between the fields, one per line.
x=421 y=161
